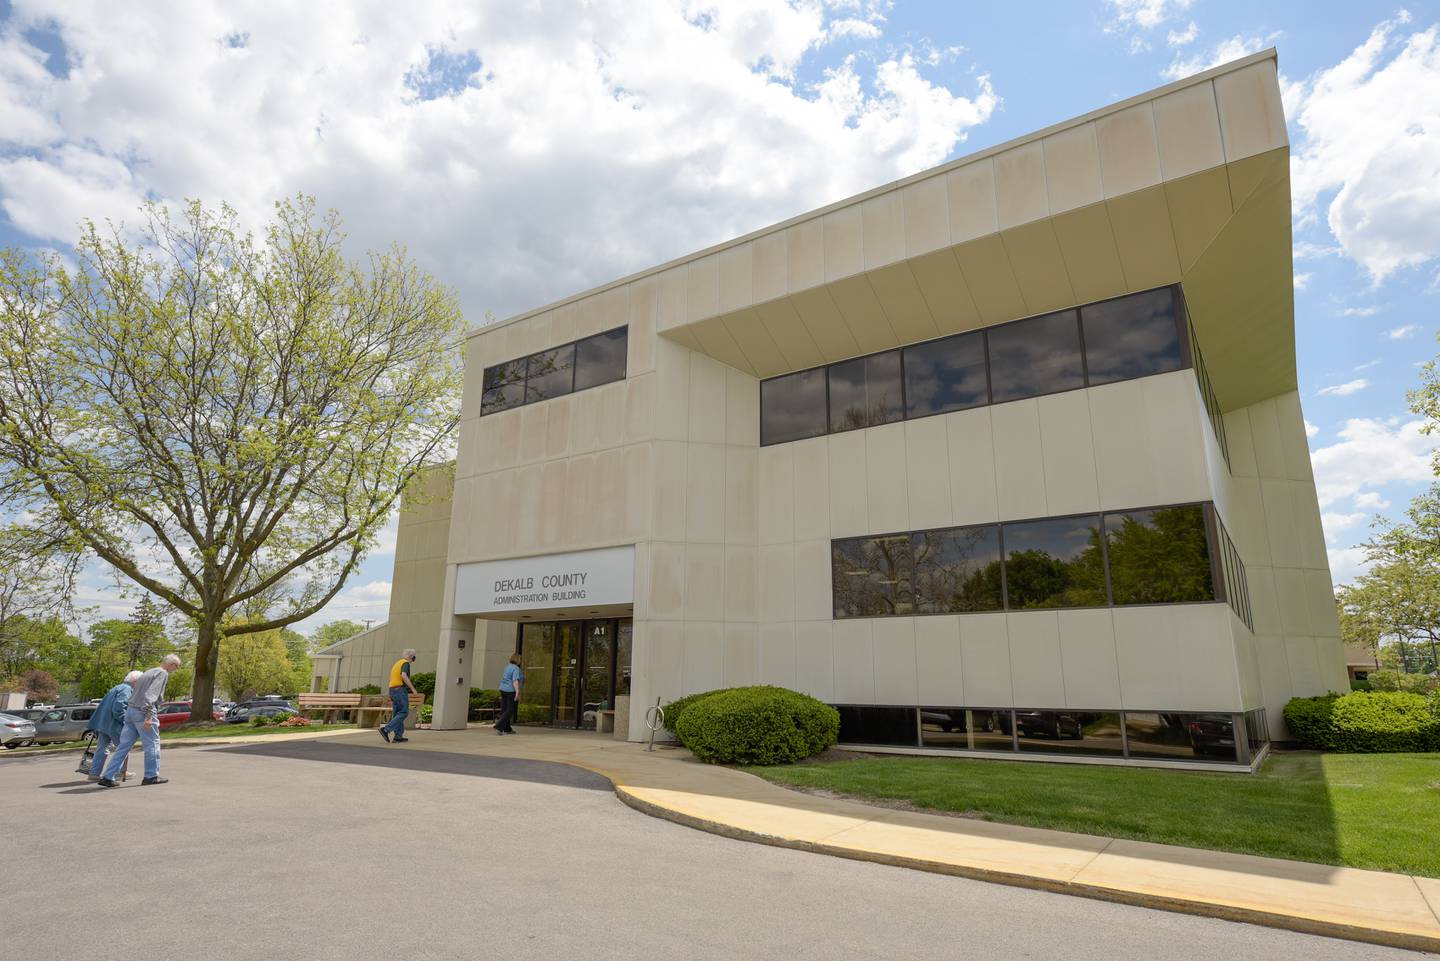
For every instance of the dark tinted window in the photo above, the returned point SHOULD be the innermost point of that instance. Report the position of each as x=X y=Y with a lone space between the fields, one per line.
x=550 y=373
x=945 y=727
x=792 y=407
x=990 y=729
x=1131 y=337
x=504 y=386
x=1040 y=355
x=601 y=359
x=1069 y=732
x=83 y=714
x=872 y=576
x=1181 y=737
x=945 y=375
x=1054 y=563
x=1159 y=556
x=865 y=391
x=877 y=725
x=957 y=570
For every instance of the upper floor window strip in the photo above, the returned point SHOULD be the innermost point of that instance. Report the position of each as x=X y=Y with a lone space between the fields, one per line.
x=1119 y=339
x=555 y=371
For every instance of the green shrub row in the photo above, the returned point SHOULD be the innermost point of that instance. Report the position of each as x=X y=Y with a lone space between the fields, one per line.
x=1366 y=722
x=1387 y=680
x=756 y=725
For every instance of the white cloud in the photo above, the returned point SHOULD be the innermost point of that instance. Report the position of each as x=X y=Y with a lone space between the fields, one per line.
x=1334 y=523
x=1345 y=389
x=1224 y=52
x=1310 y=429
x=1368 y=152
x=1367 y=365
x=1369 y=455
x=1360 y=311
x=1370 y=501
x=1401 y=333
x=1301 y=281
x=691 y=117
x=1145 y=14
x=1346 y=564
x=1180 y=38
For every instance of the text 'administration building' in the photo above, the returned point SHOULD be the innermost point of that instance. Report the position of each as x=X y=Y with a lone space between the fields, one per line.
x=1005 y=457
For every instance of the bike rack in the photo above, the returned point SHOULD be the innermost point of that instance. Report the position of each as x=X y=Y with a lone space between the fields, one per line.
x=654 y=720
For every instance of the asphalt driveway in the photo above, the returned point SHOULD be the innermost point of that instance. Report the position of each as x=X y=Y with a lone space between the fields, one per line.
x=339 y=850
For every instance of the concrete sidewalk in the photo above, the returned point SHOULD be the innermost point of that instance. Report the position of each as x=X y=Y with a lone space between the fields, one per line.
x=1373 y=906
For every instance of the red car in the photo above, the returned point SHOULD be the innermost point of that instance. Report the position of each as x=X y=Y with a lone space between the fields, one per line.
x=178 y=712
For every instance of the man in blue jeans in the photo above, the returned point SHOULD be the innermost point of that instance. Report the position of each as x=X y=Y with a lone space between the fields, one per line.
x=142 y=723
x=399 y=697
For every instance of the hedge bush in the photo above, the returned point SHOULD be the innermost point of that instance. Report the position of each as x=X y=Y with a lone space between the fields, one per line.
x=480 y=700
x=1387 y=680
x=1369 y=722
x=675 y=708
x=365 y=689
x=757 y=725
x=425 y=684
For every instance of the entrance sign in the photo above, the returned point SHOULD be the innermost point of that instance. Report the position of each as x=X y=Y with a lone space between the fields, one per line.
x=549 y=582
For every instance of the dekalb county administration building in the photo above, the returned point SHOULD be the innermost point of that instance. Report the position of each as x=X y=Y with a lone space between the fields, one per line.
x=1005 y=458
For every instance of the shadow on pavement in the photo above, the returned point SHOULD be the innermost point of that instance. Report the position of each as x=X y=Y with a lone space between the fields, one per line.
x=440 y=762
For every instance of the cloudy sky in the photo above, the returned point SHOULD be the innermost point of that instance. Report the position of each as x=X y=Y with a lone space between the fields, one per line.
x=524 y=152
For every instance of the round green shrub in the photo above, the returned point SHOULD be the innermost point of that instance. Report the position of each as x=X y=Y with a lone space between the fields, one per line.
x=1365 y=722
x=757 y=725
x=425 y=684
x=675 y=708
x=482 y=700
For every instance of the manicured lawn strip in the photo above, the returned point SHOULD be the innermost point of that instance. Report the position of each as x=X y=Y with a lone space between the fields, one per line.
x=1379 y=811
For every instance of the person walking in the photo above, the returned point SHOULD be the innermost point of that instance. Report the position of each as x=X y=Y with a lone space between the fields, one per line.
x=109 y=720
x=399 y=697
x=510 y=683
x=142 y=723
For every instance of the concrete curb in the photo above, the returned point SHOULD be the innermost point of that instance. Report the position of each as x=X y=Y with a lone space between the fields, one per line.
x=1381 y=936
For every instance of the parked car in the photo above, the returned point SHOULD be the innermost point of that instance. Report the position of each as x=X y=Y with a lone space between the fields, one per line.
x=1212 y=736
x=271 y=709
x=243 y=711
x=1052 y=724
x=172 y=713
x=26 y=713
x=67 y=722
x=16 y=731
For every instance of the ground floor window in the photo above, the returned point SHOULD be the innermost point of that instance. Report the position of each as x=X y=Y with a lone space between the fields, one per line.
x=1164 y=735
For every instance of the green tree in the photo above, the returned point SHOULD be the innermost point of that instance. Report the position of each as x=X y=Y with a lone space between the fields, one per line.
x=248 y=412
x=1393 y=610
x=144 y=637
x=333 y=633
x=254 y=663
x=105 y=661
x=297 y=653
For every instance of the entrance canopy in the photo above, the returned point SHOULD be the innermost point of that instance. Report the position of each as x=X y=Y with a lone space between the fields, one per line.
x=551 y=587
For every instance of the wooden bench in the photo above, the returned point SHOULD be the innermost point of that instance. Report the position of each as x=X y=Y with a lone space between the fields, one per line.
x=330 y=704
x=367 y=708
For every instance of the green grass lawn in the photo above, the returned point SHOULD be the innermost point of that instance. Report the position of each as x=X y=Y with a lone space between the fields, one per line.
x=1378 y=811
x=185 y=732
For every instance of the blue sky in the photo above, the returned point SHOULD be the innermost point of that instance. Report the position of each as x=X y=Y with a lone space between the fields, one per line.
x=477 y=135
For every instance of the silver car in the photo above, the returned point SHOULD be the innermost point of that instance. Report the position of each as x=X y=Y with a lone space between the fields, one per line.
x=65 y=723
x=16 y=731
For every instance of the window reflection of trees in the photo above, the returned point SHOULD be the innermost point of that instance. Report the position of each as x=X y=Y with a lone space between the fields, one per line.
x=957 y=570
x=1065 y=567
x=1159 y=556
x=872 y=576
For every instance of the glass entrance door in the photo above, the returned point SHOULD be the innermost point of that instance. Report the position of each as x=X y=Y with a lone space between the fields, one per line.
x=567 y=672
x=537 y=664
x=597 y=693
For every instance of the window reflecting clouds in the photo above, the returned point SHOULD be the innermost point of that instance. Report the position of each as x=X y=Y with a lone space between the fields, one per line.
x=550 y=373
x=1132 y=336
x=555 y=372
x=503 y=386
x=601 y=359
x=945 y=375
x=792 y=407
x=865 y=392
x=872 y=576
x=1039 y=355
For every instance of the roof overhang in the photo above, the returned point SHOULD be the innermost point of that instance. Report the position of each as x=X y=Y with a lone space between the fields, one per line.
x=1188 y=183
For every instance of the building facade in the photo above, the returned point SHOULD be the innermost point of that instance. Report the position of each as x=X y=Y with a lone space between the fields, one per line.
x=1007 y=456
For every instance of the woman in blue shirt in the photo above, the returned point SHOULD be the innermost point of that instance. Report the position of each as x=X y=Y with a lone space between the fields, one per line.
x=510 y=683
x=108 y=719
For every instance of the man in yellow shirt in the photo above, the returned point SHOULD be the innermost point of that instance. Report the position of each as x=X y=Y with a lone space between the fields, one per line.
x=399 y=697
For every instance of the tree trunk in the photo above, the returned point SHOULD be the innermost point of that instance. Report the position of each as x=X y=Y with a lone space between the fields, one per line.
x=207 y=652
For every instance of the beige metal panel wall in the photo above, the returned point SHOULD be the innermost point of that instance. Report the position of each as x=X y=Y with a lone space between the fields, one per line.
x=1268 y=502
x=1132 y=444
